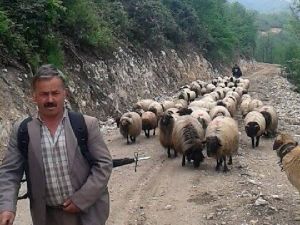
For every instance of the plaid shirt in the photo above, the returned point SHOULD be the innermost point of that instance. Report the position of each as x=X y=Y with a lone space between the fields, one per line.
x=56 y=165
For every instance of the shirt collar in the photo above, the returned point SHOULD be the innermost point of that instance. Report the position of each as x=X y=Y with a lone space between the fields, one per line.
x=65 y=115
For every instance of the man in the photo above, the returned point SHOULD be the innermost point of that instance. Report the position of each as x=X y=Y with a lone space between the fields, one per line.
x=63 y=189
x=236 y=71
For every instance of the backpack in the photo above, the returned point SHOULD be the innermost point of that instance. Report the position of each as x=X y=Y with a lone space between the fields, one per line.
x=81 y=132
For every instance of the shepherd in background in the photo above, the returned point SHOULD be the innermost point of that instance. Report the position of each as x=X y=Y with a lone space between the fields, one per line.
x=236 y=71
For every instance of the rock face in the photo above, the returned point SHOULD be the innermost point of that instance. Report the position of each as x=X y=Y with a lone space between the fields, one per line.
x=104 y=88
x=112 y=86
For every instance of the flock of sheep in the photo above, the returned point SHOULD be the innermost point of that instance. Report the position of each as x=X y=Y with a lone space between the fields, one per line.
x=201 y=116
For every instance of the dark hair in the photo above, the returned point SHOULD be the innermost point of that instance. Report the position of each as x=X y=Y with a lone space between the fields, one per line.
x=47 y=71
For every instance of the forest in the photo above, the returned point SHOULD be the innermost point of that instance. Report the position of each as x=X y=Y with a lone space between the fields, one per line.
x=33 y=32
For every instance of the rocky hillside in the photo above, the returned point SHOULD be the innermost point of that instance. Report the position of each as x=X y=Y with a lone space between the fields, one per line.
x=105 y=88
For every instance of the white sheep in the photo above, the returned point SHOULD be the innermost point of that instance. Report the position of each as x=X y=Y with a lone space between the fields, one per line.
x=222 y=140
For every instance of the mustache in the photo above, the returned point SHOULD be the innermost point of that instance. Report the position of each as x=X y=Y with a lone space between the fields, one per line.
x=49 y=105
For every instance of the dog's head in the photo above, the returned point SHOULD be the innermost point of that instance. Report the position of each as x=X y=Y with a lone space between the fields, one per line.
x=283 y=139
x=283 y=144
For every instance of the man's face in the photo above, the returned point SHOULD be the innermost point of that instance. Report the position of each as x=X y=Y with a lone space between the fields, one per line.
x=49 y=95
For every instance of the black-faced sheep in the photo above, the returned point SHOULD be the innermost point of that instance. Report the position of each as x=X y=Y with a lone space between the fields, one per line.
x=255 y=125
x=149 y=122
x=222 y=139
x=188 y=137
x=166 y=125
x=271 y=118
x=130 y=126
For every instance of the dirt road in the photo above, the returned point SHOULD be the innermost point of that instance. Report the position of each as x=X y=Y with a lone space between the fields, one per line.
x=162 y=192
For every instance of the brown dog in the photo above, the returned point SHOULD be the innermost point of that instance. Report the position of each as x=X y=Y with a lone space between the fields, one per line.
x=289 y=153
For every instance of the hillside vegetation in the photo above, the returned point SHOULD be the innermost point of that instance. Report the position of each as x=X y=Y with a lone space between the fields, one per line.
x=36 y=31
x=280 y=47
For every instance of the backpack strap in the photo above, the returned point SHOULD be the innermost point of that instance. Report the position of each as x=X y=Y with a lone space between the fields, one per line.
x=22 y=143
x=81 y=132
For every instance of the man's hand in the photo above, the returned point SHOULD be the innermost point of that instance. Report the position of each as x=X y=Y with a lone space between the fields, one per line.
x=7 y=218
x=70 y=207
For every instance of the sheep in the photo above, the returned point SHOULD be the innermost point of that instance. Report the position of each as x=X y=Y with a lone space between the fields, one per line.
x=245 y=96
x=255 y=104
x=219 y=111
x=149 y=122
x=202 y=116
x=271 y=118
x=180 y=103
x=130 y=126
x=255 y=125
x=210 y=88
x=230 y=104
x=222 y=139
x=166 y=125
x=245 y=106
x=166 y=104
x=203 y=104
x=142 y=104
x=187 y=138
x=156 y=108
x=220 y=91
x=187 y=95
x=184 y=111
x=196 y=88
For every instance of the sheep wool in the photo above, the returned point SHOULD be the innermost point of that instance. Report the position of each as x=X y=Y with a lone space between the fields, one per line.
x=255 y=104
x=130 y=126
x=222 y=139
x=149 y=122
x=156 y=108
x=166 y=125
x=219 y=111
x=143 y=104
x=202 y=116
x=271 y=118
x=255 y=125
x=167 y=104
x=187 y=138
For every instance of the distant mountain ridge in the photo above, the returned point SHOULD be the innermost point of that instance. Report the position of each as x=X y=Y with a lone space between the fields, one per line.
x=265 y=6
